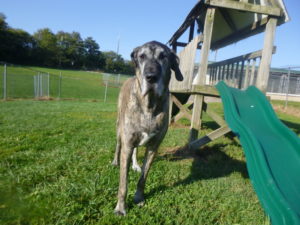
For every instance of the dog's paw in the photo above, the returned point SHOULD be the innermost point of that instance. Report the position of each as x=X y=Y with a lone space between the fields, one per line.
x=119 y=211
x=115 y=163
x=139 y=199
x=136 y=168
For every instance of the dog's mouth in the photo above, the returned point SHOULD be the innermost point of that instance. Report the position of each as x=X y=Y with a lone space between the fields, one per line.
x=152 y=85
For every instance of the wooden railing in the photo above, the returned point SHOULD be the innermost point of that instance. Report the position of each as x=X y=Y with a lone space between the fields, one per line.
x=187 y=63
x=239 y=72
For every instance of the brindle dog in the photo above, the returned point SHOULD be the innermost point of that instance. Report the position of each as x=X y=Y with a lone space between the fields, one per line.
x=143 y=111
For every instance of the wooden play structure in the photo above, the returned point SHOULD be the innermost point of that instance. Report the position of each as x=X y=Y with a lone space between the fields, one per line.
x=220 y=23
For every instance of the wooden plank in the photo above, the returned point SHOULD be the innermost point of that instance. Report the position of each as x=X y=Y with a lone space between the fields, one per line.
x=207 y=34
x=214 y=75
x=184 y=111
x=228 y=19
x=191 y=17
x=200 y=79
x=241 y=75
x=231 y=80
x=170 y=108
x=247 y=56
x=187 y=63
x=264 y=68
x=196 y=117
x=209 y=137
x=254 y=28
x=246 y=78
x=253 y=69
x=243 y=6
x=182 y=115
x=205 y=90
x=215 y=116
x=192 y=28
x=227 y=73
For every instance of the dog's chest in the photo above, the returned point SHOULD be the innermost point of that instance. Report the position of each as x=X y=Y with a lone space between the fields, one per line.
x=145 y=126
x=151 y=126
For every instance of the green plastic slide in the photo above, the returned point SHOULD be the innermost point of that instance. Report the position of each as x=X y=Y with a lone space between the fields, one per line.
x=272 y=151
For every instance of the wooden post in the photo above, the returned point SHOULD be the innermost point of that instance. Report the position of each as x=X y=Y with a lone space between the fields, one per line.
x=170 y=108
x=264 y=69
x=191 y=35
x=241 y=75
x=200 y=79
x=207 y=33
x=196 y=117
x=253 y=68
x=246 y=79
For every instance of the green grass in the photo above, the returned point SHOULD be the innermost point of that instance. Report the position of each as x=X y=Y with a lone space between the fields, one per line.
x=74 y=85
x=55 y=162
x=55 y=169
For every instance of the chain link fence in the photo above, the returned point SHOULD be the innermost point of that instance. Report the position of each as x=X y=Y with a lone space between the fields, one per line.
x=283 y=83
x=18 y=82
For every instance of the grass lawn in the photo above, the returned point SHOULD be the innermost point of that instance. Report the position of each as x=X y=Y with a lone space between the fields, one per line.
x=55 y=169
x=74 y=84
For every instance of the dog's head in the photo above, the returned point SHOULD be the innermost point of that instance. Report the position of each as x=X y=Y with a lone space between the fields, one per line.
x=154 y=62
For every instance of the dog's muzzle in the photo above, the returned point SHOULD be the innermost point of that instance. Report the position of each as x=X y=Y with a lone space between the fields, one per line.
x=151 y=77
x=152 y=72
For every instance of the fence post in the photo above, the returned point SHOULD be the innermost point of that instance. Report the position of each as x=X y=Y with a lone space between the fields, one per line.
x=41 y=85
x=59 y=85
x=48 y=85
x=105 y=94
x=34 y=85
x=4 y=83
x=287 y=89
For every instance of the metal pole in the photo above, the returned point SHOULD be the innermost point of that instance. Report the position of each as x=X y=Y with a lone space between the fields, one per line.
x=4 y=83
x=287 y=88
x=37 y=85
x=48 y=85
x=34 y=86
x=41 y=85
x=105 y=94
x=59 y=85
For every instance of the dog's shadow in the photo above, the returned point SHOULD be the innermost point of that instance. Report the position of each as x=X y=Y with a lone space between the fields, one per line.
x=208 y=163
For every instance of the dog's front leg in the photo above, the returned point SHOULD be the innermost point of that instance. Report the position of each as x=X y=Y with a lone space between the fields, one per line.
x=139 y=194
x=126 y=154
x=116 y=160
x=135 y=165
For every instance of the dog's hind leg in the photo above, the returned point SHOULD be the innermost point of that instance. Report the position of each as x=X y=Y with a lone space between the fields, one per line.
x=139 y=194
x=116 y=160
x=135 y=165
x=124 y=167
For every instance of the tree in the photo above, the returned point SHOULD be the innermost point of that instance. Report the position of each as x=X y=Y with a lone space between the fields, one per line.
x=92 y=57
x=114 y=63
x=16 y=45
x=46 y=51
x=64 y=50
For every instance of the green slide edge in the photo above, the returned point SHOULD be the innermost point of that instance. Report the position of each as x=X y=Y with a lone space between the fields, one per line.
x=270 y=191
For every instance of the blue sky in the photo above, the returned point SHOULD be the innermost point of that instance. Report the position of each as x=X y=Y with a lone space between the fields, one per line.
x=134 y=22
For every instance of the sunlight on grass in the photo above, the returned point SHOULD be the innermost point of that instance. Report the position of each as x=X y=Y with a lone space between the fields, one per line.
x=55 y=169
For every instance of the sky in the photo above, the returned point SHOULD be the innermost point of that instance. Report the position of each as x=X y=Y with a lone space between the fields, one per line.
x=134 y=22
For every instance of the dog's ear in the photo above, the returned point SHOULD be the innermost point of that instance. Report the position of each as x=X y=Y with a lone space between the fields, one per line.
x=174 y=63
x=134 y=56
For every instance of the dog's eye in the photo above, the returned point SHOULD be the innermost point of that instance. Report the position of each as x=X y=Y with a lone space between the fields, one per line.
x=142 y=56
x=161 y=56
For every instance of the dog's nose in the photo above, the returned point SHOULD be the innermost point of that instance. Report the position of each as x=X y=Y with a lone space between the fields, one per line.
x=151 y=77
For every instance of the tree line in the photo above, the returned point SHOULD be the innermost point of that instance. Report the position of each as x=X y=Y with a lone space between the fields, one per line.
x=60 y=50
